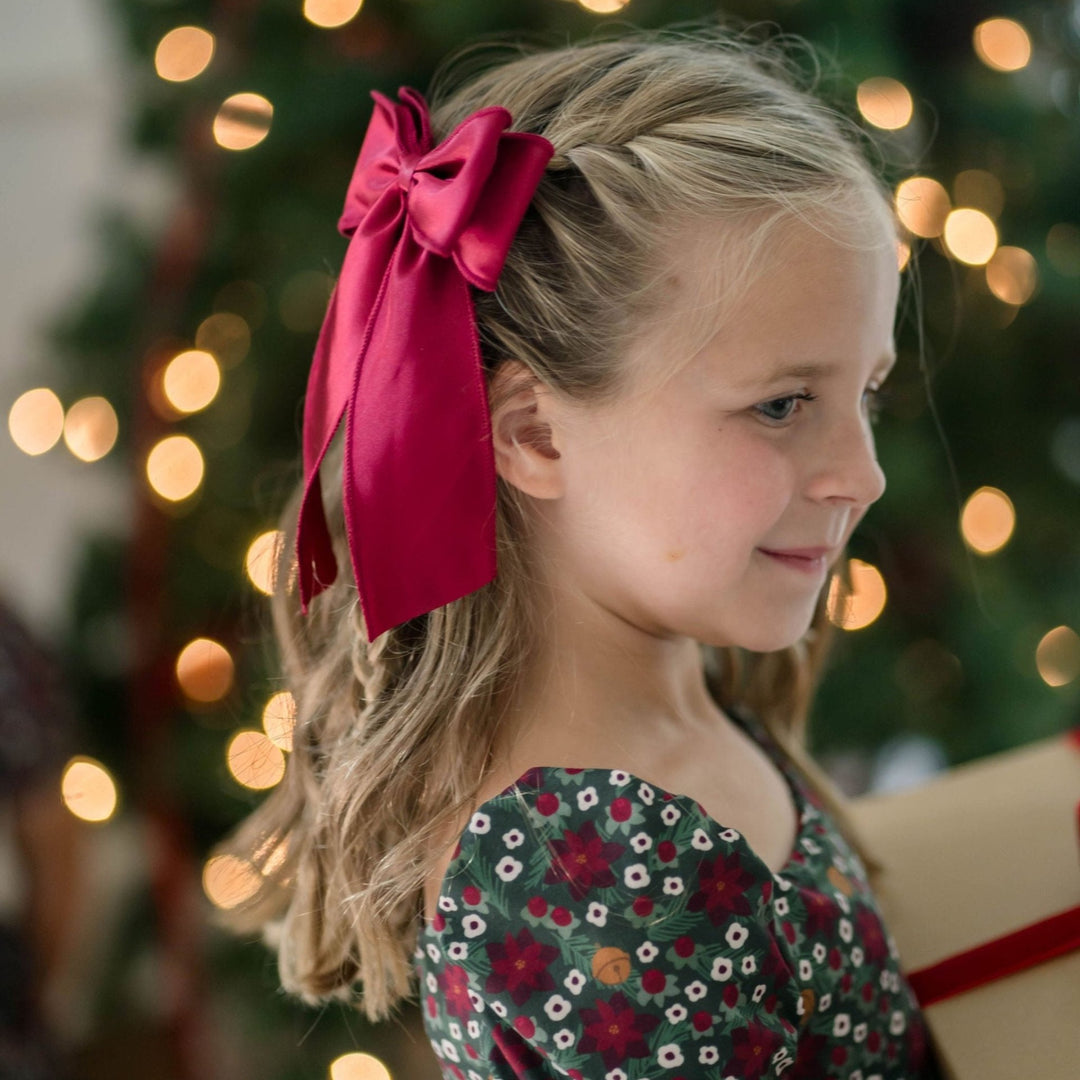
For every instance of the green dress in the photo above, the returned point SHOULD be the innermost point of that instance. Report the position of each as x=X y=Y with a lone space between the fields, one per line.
x=594 y=926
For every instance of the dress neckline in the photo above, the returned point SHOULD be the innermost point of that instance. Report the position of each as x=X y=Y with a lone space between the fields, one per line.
x=533 y=780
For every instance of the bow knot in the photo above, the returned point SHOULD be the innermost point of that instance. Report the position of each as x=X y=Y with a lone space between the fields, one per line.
x=398 y=358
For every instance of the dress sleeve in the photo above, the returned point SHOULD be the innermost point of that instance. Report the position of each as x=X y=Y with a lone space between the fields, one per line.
x=618 y=932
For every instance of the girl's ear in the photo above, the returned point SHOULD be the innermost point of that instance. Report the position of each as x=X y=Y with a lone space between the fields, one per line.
x=525 y=431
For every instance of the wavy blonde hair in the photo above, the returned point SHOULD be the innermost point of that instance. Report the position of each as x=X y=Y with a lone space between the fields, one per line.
x=394 y=739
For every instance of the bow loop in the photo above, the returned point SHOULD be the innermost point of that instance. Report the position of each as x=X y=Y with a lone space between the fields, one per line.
x=398 y=358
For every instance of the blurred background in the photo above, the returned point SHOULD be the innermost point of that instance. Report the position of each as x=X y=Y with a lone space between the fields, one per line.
x=173 y=171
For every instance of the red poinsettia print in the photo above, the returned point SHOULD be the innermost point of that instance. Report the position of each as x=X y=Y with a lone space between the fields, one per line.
x=615 y=1031
x=595 y=926
x=582 y=860
x=519 y=966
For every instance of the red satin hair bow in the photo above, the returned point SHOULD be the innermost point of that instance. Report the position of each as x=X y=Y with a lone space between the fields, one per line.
x=398 y=357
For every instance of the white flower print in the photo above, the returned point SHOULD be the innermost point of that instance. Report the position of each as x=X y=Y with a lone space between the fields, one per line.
x=722 y=969
x=736 y=935
x=432 y=983
x=810 y=846
x=857 y=956
x=615 y=1074
x=479 y=823
x=646 y=794
x=474 y=1075
x=730 y=835
x=708 y=1055
x=446 y=904
x=844 y=927
x=819 y=952
x=883 y=980
x=673 y=886
x=669 y=1055
x=433 y=952
x=597 y=913
x=896 y=1023
x=640 y=842
x=700 y=841
x=781 y=906
x=499 y=1009
x=676 y=1013
x=859 y=1033
x=564 y=1038
x=477 y=1000
x=856 y=1075
x=824 y=1002
x=841 y=1024
x=696 y=990
x=472 y=925
x=575 y=981
x=457 y=950
x=450 y=1050
x=587 y=798
x=670 y=814
x=636 y=876
x=805 y=970
x=646 y=952
x=455 y=1030
x=508 y=868
x=759 y=992
x=842 y=902
x=785 y=885
x=473 y=1028
x=556 y=1007
x=749 y=965
x=618 y=777
x=513 y=838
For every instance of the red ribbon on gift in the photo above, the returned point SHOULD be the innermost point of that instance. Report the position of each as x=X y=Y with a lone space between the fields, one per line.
x=995 y=959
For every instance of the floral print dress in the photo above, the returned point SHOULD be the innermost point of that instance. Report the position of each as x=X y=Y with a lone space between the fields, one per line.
x=594 y=926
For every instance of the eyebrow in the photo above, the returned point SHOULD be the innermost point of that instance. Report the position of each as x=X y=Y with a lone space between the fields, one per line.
x=813 y=370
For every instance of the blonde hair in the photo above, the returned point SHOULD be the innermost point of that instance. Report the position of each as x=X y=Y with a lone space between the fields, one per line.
x=393 y=740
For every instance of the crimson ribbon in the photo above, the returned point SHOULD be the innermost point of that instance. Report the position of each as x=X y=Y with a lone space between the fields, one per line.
x=398 y=357
x=1005 y=955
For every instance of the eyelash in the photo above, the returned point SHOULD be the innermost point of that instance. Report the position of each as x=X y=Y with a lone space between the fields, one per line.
x=879 y=398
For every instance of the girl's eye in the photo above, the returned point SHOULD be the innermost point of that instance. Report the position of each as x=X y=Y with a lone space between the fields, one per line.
x=781 y=401
x=878 y=398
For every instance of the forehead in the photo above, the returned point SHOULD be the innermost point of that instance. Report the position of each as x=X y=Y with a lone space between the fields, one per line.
x=743 y=297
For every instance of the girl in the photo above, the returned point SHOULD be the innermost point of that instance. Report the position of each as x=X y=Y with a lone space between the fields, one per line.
x=572 y=798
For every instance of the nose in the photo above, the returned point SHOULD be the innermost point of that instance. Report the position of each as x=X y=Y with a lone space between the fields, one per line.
x=846 y=468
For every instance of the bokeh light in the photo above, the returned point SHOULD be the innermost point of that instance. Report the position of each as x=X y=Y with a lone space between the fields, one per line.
x=90 y=428
x=987 y=520
x=270 y=854
x=1012 y=275
x=36 y=421
x=88 y=789
x=279 y=719
x=331 y=13
x=254 y=761
x=261 y=560
x=191 y=380
x=228 y=880
x=603 y=7
x=922 y=204
x=183 y=53
x=886 y=103
x=243 y=121
x=226 y=336
x=358 y=1066
x=1002 y=44
x=1057 y=656
x=970 y=236
x=204 y=670
x=865 y=602
x=174 y=467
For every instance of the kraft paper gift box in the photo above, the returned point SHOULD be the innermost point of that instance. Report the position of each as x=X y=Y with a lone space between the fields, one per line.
x=981 y=893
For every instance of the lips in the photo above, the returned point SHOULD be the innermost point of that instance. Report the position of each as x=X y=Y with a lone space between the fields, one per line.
x=799 y=553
